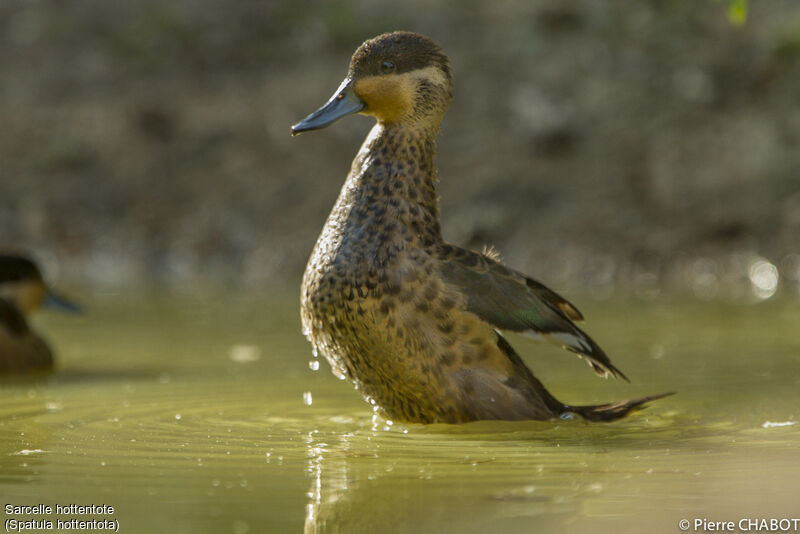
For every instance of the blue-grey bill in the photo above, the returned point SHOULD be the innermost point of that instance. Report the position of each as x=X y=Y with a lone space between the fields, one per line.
x=343 y=102
x=57 y=302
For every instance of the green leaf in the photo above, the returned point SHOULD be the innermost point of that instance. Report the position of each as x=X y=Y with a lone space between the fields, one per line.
x=737 y=12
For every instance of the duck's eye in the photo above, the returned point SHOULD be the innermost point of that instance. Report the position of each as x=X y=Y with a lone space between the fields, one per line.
x=387 y=67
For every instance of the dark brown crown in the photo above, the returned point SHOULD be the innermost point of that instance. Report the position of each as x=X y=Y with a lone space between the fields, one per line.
x=406 y=50
x=14 y=268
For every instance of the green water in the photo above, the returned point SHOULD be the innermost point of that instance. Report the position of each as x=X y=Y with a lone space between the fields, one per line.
x=201 y=413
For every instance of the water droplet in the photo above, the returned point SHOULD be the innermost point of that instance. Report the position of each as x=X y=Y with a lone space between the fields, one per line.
x=307 y=398
x=764 y=277
x=244 y=353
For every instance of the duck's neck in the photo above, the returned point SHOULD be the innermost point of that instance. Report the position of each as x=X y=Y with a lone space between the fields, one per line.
x=394 y=170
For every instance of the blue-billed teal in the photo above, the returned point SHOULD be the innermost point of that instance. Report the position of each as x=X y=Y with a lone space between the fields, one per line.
x=411 y=320
x=22 y=291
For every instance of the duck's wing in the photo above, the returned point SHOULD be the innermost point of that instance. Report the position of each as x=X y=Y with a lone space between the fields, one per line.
x=511 y=301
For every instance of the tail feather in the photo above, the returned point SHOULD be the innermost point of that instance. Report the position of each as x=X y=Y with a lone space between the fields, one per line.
x=578 y=342
x=614 y=410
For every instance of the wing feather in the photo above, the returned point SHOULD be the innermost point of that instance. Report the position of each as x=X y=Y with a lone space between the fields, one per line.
x=509 y=300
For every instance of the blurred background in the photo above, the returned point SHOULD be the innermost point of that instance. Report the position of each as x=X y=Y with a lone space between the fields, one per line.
x=611 y=146
x=644 y=150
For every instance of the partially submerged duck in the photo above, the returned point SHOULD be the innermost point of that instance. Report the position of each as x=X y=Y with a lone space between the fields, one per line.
x=23 y=291
x=411 y=320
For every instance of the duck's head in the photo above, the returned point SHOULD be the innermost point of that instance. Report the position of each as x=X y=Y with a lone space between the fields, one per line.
x=21 y=282
x=398 y=77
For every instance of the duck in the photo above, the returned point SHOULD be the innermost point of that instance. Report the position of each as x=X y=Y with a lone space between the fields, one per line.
x=22 y=292
x=413 y=322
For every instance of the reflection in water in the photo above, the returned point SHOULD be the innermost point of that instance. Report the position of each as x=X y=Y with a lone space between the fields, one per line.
x=457 y=479
x=334 y=467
